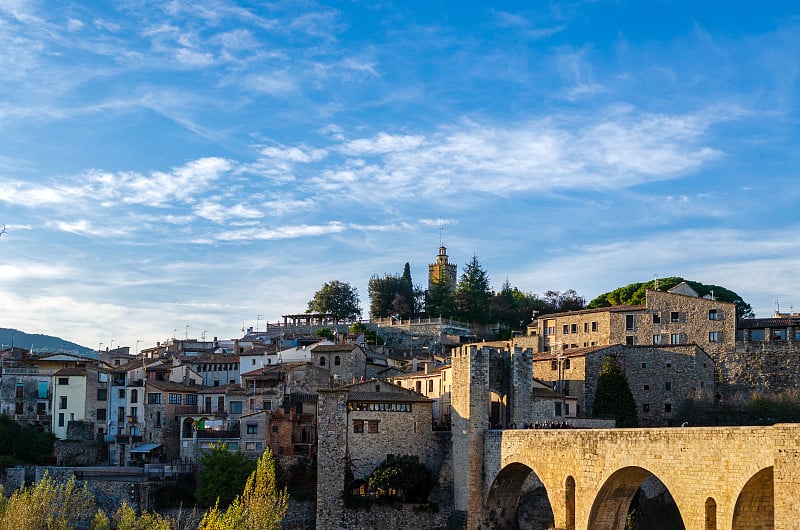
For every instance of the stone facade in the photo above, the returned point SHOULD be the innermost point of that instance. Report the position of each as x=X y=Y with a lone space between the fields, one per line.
x=665 y=319
x=660 y=379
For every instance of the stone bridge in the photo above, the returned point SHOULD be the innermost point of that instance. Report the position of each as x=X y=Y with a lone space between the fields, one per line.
x=706 y=478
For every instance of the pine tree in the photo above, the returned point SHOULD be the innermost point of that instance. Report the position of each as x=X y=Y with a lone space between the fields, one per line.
x=473 y=296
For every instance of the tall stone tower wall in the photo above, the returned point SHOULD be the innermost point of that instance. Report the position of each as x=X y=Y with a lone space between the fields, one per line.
x=331 y=458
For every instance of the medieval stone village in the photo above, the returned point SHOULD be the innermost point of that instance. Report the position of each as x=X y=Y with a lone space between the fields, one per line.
x=507 y=432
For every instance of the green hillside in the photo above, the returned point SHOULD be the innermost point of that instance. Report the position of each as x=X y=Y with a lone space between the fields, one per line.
x=41 y=343
x=634 y=294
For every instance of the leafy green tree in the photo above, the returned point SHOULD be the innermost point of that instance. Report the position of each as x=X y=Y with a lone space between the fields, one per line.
x=613 y=395
x=403 y=476
x=325 y=333
x=338 y=299
x=513 y=309
x=222 y=475
x=370 y=336
x=24 y=444
x=125 y=518
x=473 y=296
x=391 y=294
x=557 y=302
x=635 y=293
x=261 y=506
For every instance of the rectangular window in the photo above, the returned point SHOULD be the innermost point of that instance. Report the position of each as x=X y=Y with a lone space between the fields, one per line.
x=667 y=407
x=372 y=426
x=252 y=428
x=645 y=407
x=18 y=391
x=594 y=326
x=668 y=386
x=713 y=336
x=134 y=413
x=573 y=328
x=358 y=426
x=558 y=409
x=190 y=399
x=175 y=399
x=712 y=314
x=250 y=446
x=565 y=329
x=121 y=393
x=236 y=407
x=566 y=409
x=63 y=381
x=430 y=386
x=19 y=408
x=675 y=338
x=566 y=364
x=586 y=327
x=778 y=333
x=646 y=388
x=102 y=394
x=656 y=318
x=42 y=394
x=267 y=404
x=644 y=365
x=629 y=340
x=554 y=364
x=419 y=387
x=60 y=419
x=757 y=335
x=41 y=409
x=675 y=316
x=101 y=414
x=656 y=340
x=154 y=398
x=62 y=402
x=630 y=323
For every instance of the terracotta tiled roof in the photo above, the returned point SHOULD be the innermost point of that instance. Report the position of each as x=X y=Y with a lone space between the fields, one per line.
x=169 y=386
x=71 y=371
x=386 y=396
x=782 y=322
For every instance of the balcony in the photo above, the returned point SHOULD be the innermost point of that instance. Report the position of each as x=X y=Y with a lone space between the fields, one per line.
x=185 y=409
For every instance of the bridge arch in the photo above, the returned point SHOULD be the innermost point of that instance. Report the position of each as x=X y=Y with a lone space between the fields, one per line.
x=756 y=503
x=518 y=499
x=613 y=501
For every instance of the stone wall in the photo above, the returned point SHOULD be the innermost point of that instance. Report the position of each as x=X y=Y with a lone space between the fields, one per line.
x=754 y=365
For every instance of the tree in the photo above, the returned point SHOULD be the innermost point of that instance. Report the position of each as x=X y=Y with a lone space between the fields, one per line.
x=23 y=444
x=48 y=504
x=635 y=293
x=403 y=476
x=222 y=475
x=261 y=506
x=338 y=299
x=391 y=294
x=613 y=395
x=370 y=336
x=439 y=300
x=325 y=333
x=557 y=302
x=473 y=296
x=513 y=309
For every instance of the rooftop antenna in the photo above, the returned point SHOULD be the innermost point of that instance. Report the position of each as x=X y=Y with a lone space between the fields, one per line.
x=778 y=304
x=186 y=332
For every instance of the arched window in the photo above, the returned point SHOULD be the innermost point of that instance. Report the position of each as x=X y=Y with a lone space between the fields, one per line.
x=322 y=361
x=337 y=361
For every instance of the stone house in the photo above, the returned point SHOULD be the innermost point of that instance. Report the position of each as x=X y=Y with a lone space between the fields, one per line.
x=167 y=405
x=376 y=413
x=345 y=362
x=666 y=318
x=433 y=382
x=26 y=393
x=660 y=378
x=214 y=369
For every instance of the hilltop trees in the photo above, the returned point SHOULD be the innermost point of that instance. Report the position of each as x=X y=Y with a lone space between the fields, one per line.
x=634 y=294
x=473 y=296
x=338 y=299
x=391 y=294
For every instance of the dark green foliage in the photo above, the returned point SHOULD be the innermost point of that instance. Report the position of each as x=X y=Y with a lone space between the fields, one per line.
x=473 y=296
x=513 y=309
x=558 y=302
x=613 y=397
x=402 y=476
x=24 y=445
x=634 y=294
x=222 y=475
x=391 y=294
x=338 y=299
x=439 y=300
x=325 y=333
x=370 y=336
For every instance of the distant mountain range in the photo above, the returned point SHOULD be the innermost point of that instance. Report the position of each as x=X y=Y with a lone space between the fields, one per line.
x=41 y=343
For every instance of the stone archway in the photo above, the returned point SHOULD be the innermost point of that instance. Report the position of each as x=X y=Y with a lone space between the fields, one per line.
x=518 y=500
x=634 y=486
x=755 y=507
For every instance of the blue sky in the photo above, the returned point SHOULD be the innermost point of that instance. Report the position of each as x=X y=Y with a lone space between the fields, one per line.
x=209 y=164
